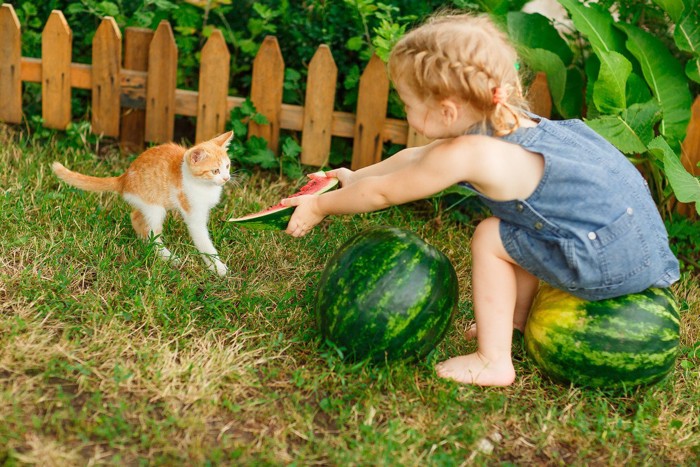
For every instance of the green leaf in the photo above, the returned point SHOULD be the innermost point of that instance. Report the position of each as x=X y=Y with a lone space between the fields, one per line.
x=609 y=90
x=674 y=8
x=107 y=9
x=664 y=75
x=615 y=129
x=642 y=118
x=291 y=148
x=355 y=43
x=692 y=70
x=537 y=32
x=632 y=130
x=685 y=186
x=687 y=32
x=259 y=154
x=596 y=24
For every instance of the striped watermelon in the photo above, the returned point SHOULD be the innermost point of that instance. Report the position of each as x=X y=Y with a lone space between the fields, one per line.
x=615 y=343
x=277 y=217
x=386 y=295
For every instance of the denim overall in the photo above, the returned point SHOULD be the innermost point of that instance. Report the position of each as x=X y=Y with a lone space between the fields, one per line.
x=591 y=226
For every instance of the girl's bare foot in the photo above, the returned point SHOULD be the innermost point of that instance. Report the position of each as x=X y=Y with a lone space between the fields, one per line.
x=475 y=369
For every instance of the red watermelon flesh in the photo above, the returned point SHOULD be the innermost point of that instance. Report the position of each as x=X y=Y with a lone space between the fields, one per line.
x=276 y=217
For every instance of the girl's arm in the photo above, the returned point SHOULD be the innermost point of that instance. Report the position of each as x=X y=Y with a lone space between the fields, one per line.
x=396 y=162
x=416 y=174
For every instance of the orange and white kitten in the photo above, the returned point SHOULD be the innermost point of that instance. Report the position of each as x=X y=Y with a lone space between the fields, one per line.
x=168 y=177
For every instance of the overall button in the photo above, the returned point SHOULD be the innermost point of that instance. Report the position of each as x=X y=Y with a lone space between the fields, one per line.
x=592 y=235
x=538 y=225
x=519 y=207
x=630 y=211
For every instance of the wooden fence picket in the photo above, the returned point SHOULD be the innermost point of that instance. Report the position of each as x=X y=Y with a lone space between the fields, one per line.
x=212 y=110
x=372 y=104
x=56 y=56
x=266 y=91
x=161 y=85
x=137 y=42
x=10 y=66
x=318 y=108
x=106 y=78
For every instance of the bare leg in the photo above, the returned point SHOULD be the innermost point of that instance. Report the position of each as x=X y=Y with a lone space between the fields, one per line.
x=495 y=288
x=527 y=285
x=527 y=289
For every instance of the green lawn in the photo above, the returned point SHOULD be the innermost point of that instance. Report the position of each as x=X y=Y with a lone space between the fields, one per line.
x=109 y=355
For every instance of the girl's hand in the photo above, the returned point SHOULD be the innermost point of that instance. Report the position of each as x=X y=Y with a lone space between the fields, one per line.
x=305 y=216
x=345 y=176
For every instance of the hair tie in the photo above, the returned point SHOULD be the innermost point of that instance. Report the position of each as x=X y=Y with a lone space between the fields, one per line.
x=500 y=95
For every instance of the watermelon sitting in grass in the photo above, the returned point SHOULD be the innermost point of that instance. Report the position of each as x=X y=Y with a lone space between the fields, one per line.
x=616 y=343
x=386 y=295
x=277 y=217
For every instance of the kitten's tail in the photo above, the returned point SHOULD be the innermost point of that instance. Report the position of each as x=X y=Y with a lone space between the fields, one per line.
x=86 y=182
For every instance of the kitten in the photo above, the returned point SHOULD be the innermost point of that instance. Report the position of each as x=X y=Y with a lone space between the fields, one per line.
x=168 y=177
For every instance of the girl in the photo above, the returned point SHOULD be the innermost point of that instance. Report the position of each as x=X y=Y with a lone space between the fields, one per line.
x=568 y=208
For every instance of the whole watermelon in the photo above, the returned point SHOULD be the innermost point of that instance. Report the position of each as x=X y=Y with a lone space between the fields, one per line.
x=616 y=343
x=386 y=295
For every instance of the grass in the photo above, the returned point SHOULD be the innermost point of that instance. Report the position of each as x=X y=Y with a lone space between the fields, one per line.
x=110 y=356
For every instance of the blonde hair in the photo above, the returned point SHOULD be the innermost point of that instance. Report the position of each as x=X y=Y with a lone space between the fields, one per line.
x=465 y=56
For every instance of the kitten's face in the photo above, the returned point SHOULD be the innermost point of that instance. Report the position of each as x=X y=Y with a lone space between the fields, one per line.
x=209 y=161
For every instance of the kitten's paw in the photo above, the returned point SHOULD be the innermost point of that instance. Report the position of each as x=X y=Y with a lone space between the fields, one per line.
x=164 y=253
x=219 y=267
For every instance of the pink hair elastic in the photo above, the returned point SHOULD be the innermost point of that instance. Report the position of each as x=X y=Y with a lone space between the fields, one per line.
x=500 y=95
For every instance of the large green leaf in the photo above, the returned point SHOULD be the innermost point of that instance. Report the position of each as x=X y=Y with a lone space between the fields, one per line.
x=685 y=186
x=674 y=8
x=692 y=69
x=616 y=130
x=612 y=85
x=687 y=32
x=536 y=32
x=609 y=90
x=597 y=25
x=630 y=131
x=664 y=75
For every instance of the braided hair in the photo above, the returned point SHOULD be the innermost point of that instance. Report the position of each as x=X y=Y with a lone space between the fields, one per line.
x=464 y=56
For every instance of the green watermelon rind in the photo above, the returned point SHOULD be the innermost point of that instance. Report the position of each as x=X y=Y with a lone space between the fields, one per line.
x=616 y=343
x=276 y=219
x=374 y=299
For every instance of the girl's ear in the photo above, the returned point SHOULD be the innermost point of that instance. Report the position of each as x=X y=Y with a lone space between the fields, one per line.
x=449 y=111
x=223 y=140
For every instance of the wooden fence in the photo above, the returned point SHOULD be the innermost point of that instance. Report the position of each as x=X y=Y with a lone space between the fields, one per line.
x=135 y=98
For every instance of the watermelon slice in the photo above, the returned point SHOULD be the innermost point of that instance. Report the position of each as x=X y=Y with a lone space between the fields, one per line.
x=277 y=217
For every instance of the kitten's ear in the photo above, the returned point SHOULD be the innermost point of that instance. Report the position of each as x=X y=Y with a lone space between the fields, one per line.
x=196 y=155
x=223 y=140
